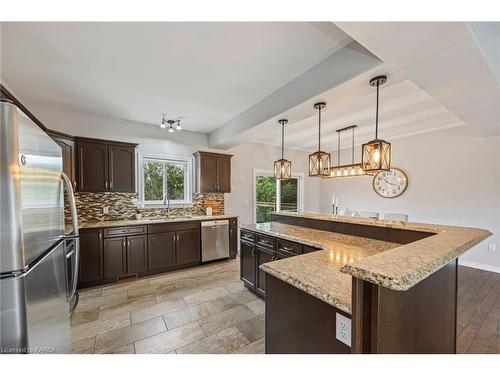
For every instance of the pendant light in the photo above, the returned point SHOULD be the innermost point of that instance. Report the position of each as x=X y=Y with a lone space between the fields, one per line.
x=376 y=154
x=346 y=170
x=283 y=167
x=319 y=162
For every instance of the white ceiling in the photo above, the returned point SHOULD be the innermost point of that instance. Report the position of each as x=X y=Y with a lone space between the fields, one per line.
x=404 y=109
x=207 y=73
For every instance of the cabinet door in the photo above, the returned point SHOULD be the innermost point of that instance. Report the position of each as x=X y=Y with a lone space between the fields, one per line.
x=91 y=257
x=122 y=169
x=263 y=256
x=223 y=174
x=161 y=251
x=137 y=254
x=208 y=174
x=92 y=167
x=68 y=156
x=233 y=241
x=115 y=257
x=188 y=249
x=247 y=263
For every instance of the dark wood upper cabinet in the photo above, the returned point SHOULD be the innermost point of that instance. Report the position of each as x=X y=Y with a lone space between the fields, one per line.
x=115 y=257
x=91 y=257
x=105 y=165
x=213 y=172
x=188 y=249
x=92 y=167
x=67 y=144
x=121 y=168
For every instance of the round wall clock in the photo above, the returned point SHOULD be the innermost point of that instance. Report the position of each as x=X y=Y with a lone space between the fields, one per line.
x=390 y=184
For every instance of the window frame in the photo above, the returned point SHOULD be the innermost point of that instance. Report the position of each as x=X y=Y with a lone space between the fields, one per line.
x=268 y=173
x=188 y=179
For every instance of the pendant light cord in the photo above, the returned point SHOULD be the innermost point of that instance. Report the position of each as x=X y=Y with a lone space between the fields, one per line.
x=376 y=115
x=319 y=129
x=282 y=139
x=338 y=147
x=352 y=150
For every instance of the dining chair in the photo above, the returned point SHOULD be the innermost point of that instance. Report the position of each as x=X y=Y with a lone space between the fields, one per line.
x=395 y=217
x=369 y=214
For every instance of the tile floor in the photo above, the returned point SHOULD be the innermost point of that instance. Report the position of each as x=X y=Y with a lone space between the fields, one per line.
x=198 y=310
x=207 y=310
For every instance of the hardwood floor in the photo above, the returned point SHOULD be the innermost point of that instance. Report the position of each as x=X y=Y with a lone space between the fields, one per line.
x=207 y=310
x=478 y=326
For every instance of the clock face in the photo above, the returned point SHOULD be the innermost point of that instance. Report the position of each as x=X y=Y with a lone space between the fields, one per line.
x=390 y=184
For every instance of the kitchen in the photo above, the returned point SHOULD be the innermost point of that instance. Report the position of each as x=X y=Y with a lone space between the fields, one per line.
x=350 y=182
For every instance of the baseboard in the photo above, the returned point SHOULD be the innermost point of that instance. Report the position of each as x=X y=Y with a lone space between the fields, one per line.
x=481 y=266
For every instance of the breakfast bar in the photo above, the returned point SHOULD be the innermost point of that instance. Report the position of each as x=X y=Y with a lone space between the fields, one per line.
x=376 y=286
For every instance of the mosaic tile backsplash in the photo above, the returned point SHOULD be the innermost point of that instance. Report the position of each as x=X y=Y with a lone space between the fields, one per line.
x=121 y=206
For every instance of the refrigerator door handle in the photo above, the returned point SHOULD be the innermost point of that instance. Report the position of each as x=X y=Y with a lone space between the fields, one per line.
x=72 y=204
x=74 y=236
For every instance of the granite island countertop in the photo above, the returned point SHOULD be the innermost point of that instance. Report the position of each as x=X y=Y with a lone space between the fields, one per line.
x=319 y=273
x=145 y=221
x=326 y=274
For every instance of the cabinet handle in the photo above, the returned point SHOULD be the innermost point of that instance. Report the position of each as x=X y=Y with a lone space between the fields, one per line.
x=100 y=235
x=266 y=242
x=74 y=184
x=128 y=243
x=111 y=185
x=106 y=185
x=287 y=248
x=253 y=251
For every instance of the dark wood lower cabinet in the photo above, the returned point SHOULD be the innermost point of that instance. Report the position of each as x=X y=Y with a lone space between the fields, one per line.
x=137 y=254
x=161 y=251
x=187 y=247
x=91 y=270
x=247 y=264
x=263 y=256
x=233 y=238
x=115 y=257
x=108 y=254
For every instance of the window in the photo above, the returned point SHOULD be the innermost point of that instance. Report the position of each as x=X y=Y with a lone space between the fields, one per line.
x=165 y=176
x=276 y=195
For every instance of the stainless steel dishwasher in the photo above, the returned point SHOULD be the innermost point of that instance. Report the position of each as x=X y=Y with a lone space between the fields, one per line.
x=214 y=240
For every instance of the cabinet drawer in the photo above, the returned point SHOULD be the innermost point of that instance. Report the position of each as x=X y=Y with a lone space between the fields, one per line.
x=170 y=227
x=247 y=236
x=265 y=241
x=124 y=231
x=288 y=246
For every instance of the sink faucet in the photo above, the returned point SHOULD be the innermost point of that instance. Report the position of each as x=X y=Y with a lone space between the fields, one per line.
x=166 y=201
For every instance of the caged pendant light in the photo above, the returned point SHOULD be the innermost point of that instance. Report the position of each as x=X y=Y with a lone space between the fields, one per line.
x=320 y=161
x=282 y=167
x=376 y=154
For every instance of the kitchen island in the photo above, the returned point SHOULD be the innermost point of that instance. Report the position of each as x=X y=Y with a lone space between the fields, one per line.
x=355 y=285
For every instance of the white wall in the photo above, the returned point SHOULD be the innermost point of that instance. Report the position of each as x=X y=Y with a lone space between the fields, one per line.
x=261 y=156
x=157 y=141
x=454 y=178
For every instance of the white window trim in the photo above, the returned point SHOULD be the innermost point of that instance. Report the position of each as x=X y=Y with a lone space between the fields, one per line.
x=265 y=172
x=188 y=180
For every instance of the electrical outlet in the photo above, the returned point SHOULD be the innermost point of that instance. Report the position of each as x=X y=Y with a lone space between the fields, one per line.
x=492 y=247
x=343 y=329
x=105 y=210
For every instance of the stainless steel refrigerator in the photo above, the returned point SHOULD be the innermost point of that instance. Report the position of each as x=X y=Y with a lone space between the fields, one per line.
x=38 y=270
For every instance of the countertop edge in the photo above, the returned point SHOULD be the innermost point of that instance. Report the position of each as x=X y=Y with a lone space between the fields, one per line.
x=333 y=301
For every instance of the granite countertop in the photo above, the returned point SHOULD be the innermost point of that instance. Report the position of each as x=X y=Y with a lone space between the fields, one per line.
x=319 y=273
x=326 y=274
x=145 y=221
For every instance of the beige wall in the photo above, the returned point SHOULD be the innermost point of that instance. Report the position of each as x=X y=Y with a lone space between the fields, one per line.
x=454 y=178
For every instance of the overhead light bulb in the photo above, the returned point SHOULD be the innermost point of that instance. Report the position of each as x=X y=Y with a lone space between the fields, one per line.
x=163 y=126
x=171 y=130
x=178 y=126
